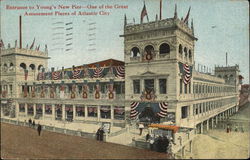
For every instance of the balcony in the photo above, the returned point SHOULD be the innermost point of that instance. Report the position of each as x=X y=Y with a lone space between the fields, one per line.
x=78 y=96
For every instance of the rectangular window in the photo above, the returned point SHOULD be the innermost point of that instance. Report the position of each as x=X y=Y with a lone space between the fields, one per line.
x=92 y=111
x=91 y=87
x=80 y=110
x=105 y=112
x=184 y=112
x=181 y=86
x=136 y=85
x=119 y=112
x=163 y=86
x=149 y=84
x=117 y=87
x=103 y=87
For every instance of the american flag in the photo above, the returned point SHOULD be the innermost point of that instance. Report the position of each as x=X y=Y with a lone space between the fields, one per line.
x=187 y=76
x=56 y=75
x=144 y=13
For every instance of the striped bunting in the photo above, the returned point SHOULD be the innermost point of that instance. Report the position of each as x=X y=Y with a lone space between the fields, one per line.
x=98 y=72
x=120 y=70
x=187 y=76
x=56 y=75
x=163 y=109
x=134 y=112
x=76 y=74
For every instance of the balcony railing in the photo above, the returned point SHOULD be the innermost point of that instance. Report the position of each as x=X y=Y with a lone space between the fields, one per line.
x=69 y=96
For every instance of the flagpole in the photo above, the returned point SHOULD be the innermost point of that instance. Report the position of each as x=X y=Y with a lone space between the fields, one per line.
x=160 y=8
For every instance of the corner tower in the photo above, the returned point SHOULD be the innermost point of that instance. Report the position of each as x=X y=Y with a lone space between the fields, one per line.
x=153 y=53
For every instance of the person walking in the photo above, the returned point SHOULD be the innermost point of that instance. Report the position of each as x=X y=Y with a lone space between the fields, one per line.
x=33 y=124
x=39 y=129
x=30 y=122
x=141 y=126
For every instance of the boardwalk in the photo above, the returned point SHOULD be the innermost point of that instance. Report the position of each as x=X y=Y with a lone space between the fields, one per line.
x=24 y=142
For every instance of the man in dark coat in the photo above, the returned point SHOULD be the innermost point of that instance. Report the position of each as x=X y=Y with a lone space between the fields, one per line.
x=101 y=134
x=98 y=134
x=33 y=124
x=30 y=122
x=39 y=129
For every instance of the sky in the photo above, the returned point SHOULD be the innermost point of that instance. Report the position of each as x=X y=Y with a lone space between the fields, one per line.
x=220 y=25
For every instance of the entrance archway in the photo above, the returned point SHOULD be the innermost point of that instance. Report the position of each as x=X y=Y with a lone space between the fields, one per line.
x=148 y=116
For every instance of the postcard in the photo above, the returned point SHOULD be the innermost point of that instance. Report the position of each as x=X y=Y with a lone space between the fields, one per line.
x=124 y=79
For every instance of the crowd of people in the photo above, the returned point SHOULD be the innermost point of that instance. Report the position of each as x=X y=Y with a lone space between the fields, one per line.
x=100 y=134
x=159 y=143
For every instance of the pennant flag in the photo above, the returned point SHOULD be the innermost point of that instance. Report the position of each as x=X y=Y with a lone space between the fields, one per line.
x=187 y=16
x=33 y=43
x=144 y=13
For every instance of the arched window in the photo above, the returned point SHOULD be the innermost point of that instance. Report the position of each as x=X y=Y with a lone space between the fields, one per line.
x=40 y=67
x=5 y=65
x=11 y=64
x=135 y=52
x=180 y=49
x=185 y=51
x=164 y=48
x=23 y=65
x=190 y=54
x=32 y=66
x=231 y=78
x=149 y=49
x=226 y=78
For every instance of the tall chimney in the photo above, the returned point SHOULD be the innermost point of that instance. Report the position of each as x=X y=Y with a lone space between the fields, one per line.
x=226 y=59
x=20 y=31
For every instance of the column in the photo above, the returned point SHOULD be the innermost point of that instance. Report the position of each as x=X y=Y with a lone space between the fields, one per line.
x=112 y=112
x=63 y=112
x=201 y=127
x=43 y=106
x=53 y=111
x=207 y=124
x=85 y=112
x=34 y=109
x=74 y=112
x=212 y=123
x=17 y=110
x=26 y=109
x=98 y=113
x=183 y=152
x=216 y=120
x=190 y=146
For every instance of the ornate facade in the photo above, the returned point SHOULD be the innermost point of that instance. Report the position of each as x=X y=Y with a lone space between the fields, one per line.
x=157 y=82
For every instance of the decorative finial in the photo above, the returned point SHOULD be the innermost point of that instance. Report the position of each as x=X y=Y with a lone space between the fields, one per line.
x=175 y=11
